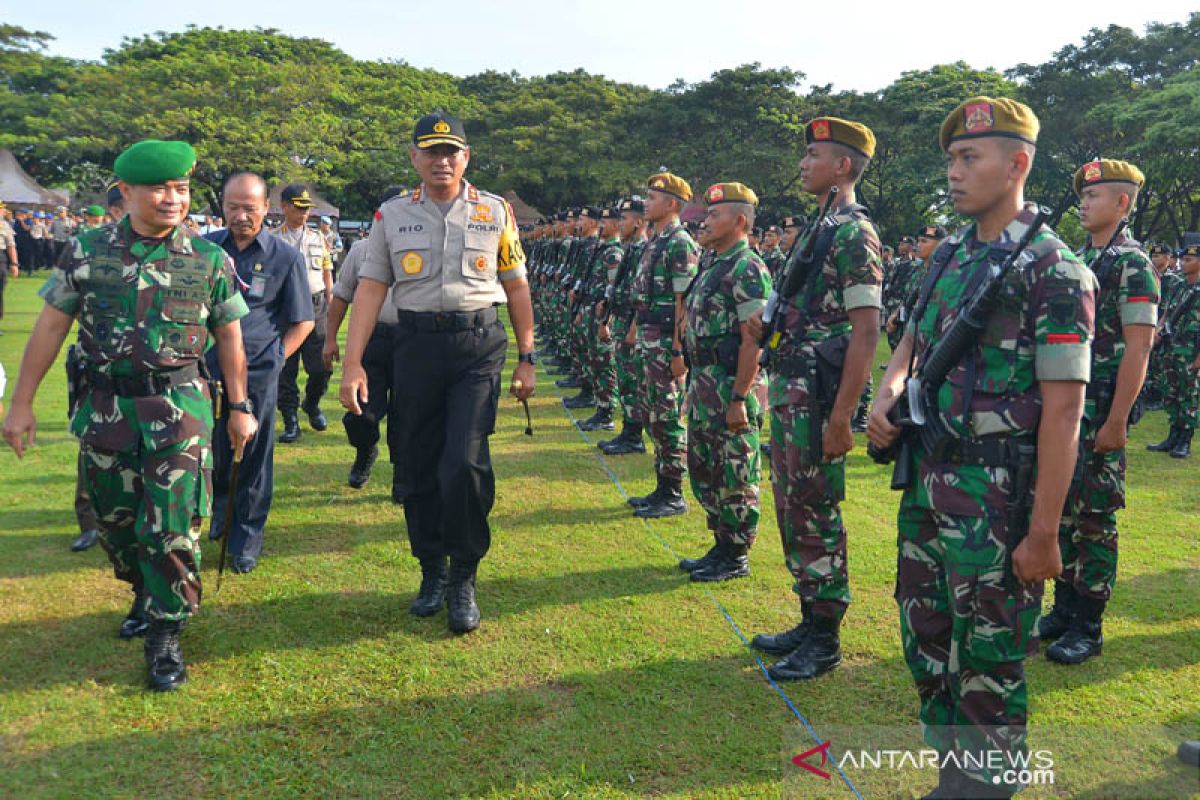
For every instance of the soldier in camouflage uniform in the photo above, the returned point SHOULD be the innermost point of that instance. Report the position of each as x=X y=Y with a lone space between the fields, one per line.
x=601 y=366
x=619 y=309
x=147 y=295
x=1126 y=313
x=972 y=554
x=773 y=255
x=667 y=268
x=723 y=411
x=818 y=370
x=1180 y=354
x=896 y=284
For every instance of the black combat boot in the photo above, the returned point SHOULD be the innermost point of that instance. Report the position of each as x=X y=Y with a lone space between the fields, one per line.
x=316 y=418
x=819 y=652
x=1085 y=637
x=630 y=441
x=585 y=398
x=135 y=622
x=602 y=420
x=861 y=417
x=463 y=616
x=1167 y=444
x=164 y=656
x=432 y=594
x=950 y=784
x=291 y=427
x=360 y=471
x=644 y=500
x=1183 y=446
x=572 y=381
x=1055 y=624
x=780 y=644
x=733 y=563
x=693 y=564
x=668 y=503
x=84 y=540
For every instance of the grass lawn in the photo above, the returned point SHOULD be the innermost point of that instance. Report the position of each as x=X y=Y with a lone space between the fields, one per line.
x=599 y=671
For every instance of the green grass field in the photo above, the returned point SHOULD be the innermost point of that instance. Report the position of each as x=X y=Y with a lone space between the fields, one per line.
x=599 y=671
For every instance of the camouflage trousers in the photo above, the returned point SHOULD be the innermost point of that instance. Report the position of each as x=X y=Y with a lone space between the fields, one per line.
x=600 y=365
x=1182 y=395
x=664 y=399
x=629 y=373
x=151 y=492
x=1087 y=533
x=807 y=494
x=724 y=467
x=966 y=626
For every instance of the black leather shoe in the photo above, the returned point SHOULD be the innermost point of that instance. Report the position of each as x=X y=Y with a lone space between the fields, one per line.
x=630 y=441
x=316 y=418
x=733 y=563
x=600 y=421
x=462 y=612
x=780 y=644
x=1085 y=636
x=585 y=399
x=1055 y=623
x=360 y=471
x=646 y=499
x=569 y=382
x=84 y=540
x=1189 y=752
x=669 y=502
x=164 y=656
x=432 y=594
x=243 y=564
x=818 y=653
x=291 y=427
x=135 y=622
x=1183 y=446
x=693 y=564
x=1167 y=444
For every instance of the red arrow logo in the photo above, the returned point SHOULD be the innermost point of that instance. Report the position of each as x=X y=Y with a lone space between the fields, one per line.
x=800 y=761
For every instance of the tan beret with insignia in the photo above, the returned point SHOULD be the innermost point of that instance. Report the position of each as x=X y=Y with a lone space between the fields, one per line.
x=1107 y=170
x=854 y=135
x=986 y=116
x=671 y=184
x=730 y=193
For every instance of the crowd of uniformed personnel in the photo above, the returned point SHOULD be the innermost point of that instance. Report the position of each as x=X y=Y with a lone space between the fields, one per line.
x=1017 y=367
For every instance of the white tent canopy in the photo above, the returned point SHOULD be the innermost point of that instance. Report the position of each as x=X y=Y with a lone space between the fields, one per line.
x=18 y=189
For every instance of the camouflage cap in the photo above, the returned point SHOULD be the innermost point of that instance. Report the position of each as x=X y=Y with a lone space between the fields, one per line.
x=986 y=116
x=730 y=193
x=671 y=184
x=152 y=161
x=932 y=232
x=1107 y=170
x=854 y=135
x=94 y=211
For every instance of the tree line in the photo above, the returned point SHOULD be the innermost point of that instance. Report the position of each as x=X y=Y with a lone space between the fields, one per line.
x=299 y=109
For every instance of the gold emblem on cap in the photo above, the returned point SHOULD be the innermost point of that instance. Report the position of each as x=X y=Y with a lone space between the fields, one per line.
x=715 y=193
x=1092 y=171
x=978 y=117
x=441 y=126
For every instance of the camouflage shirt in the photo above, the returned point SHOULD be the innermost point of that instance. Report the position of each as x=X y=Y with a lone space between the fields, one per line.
x=734 y=286
x=623 y=291
x=1134 y=302
x=667 y=267
x=1042 y=331
x=1172 y=285
x=143 y=305
x=605 y=264
x=775 y=261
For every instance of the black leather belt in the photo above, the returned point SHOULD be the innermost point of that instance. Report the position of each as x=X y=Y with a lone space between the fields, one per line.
x=989 y=451
x=447 y=321
x=385 y=329
x=665 y=316
x=706 y=357
x=145 y=384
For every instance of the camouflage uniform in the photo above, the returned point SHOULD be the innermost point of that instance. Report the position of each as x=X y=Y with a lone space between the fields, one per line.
x=601 y=368
x=1182 y=398
x=1088 y=533
x=628 y=363
x=668 y=265
x=723 y=466
x=775 y=261
x=966 y=624
x=1171 y=286
x=143 y=307
x=808 y=489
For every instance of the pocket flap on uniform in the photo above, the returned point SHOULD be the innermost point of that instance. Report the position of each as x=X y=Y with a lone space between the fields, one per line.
x=411 y=240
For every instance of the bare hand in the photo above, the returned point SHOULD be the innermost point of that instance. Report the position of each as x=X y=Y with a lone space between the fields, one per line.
x=330 y=353
x=241 y=428
x=631 y=336
x=678 y=368
x=1037 y=558
x=735 y=418
x=1110 y=437
x=880 y=431
x=354 y=388
x=754 y=325
x=838 y=439
x=523 y=380
x=603 y=333
x=20 y=429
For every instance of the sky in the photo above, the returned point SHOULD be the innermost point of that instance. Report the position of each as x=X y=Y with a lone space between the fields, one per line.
x=862 y=46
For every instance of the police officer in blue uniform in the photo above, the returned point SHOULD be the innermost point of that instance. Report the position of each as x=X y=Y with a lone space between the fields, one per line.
x=272 y=279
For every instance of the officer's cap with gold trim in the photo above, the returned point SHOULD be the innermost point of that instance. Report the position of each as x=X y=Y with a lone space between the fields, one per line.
x=439 y=128
x=151 y=161
x=989 y=116
x=1107 y=170
x=850 y=134
x=730 y=193
x=297 y=194
x=671 y=184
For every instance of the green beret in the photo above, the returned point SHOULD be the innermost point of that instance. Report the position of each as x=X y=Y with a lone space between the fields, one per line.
x=671 y=184
x=730 y=193
x=1106 y=170
x=854 y=135
x=94 y=211
x=985 y=116
x=151 y=161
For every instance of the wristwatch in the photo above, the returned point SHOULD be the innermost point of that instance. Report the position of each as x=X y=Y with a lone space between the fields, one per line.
x=526 y=358
x=738 y=398
x=245 y=406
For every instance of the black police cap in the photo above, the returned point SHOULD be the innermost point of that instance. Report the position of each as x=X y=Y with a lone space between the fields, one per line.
x=439 y=128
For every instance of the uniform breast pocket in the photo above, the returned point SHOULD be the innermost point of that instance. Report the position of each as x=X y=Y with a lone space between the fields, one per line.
x=316 y=257
x=182 y=332
x=479 y=254
x=410 y=256
x=995 y=359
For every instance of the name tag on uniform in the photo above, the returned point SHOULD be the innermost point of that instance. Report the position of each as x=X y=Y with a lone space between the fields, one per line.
x=258 y=287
